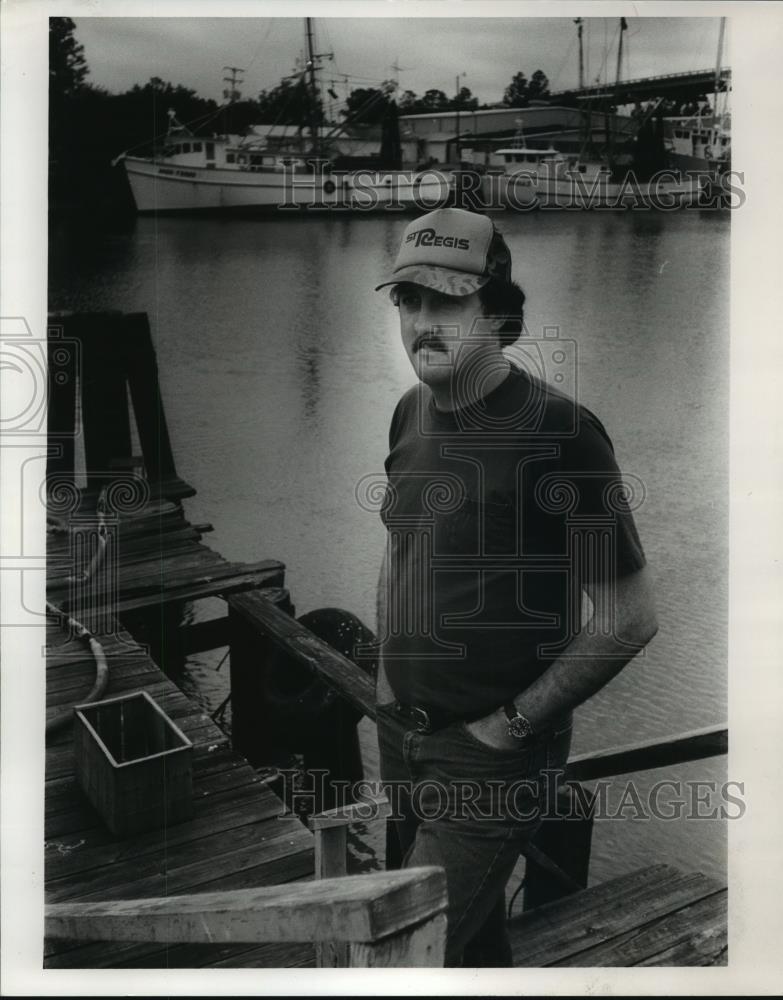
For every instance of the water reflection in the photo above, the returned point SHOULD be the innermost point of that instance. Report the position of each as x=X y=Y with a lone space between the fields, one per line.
x=308 y=358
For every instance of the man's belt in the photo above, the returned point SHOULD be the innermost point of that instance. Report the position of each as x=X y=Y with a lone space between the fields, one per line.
x=425 y=720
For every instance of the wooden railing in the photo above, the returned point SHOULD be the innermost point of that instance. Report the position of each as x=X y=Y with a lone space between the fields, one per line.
x=556 y=864
x=387 y=919
x=681 y=749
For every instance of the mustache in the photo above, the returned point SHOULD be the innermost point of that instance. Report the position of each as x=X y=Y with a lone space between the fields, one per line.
x=432 y=340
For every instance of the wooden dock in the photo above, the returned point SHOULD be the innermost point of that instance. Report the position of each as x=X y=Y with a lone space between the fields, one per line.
x=243 y=882
x=239 y=837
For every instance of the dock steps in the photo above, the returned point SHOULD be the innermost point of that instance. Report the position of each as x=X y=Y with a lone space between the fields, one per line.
x=656 y=916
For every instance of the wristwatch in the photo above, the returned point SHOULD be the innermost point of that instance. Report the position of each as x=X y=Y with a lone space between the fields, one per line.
x=518 y=726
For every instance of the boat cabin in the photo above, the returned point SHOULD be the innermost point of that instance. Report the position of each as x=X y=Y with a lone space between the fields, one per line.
x=227 y=154
x=517 y=158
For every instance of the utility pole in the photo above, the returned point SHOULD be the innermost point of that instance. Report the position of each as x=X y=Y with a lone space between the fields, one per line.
x=232 y=94
x=578 y=22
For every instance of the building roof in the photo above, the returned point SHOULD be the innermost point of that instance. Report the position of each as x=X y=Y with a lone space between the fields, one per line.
x=487 y=111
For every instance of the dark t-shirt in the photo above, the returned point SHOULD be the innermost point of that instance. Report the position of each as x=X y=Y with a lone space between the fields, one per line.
x=498 y=515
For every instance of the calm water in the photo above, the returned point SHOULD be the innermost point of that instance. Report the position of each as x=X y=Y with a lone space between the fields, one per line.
x=280 y=368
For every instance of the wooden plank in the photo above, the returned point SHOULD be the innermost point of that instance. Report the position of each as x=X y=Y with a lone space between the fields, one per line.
x=711 y=741
x=68 y=689
x=77 y=669
x=150 y=576
x=133 y=551
x=353 y=908
x=586 y=919
x=160 y=554
x=335 y=669
x=69 y=853
x=165 y=694
x=130 y=679
x=275 y=955
x=248 y=845
x=72 y=955
x=104 y=401
x=155 y=573
x=696 y=934
x=144 y=385
x=418 y=947
x=198 y=589
x=331 y=852
x=331 y=849
x=300 y=955
x=248 y=864
x=288 y=867
x=693 y=953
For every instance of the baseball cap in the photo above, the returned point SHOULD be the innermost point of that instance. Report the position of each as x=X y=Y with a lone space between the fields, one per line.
x=452 y=251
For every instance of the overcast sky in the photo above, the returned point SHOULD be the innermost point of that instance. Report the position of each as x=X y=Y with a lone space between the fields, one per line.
x=430 y=52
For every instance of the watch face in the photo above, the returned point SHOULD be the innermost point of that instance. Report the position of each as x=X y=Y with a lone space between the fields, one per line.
x=520 y=728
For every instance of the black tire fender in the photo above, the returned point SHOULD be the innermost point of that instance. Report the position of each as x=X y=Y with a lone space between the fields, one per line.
x=295 y=692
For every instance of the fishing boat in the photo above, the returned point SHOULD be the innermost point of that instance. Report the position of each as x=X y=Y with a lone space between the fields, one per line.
x=228 y=173
x=546 y=178
x=192 y=173
x=702 y=141
x=512 y=175
x=699 y=142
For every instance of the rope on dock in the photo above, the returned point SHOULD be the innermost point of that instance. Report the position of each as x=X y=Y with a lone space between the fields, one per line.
x=101 y=668
x=65 y=716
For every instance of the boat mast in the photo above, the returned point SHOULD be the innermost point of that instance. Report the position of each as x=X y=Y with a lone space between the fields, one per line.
x=623 y=27
x=718 y=72
x=585 y=117
x=311 y=103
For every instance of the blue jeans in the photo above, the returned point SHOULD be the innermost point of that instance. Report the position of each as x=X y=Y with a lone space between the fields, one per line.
x=468 y=807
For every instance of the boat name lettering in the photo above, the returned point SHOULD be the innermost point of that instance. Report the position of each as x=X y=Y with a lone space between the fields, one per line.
x=179 y=173
x=428 y=238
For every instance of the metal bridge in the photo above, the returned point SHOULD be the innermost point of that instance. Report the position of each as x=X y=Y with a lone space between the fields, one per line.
x=678 y=86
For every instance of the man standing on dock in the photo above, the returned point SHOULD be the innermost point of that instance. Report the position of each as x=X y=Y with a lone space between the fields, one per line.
x=504 y=506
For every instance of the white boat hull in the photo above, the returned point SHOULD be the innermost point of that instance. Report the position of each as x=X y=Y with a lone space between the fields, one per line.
x=166 y=187
x=527 y=191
